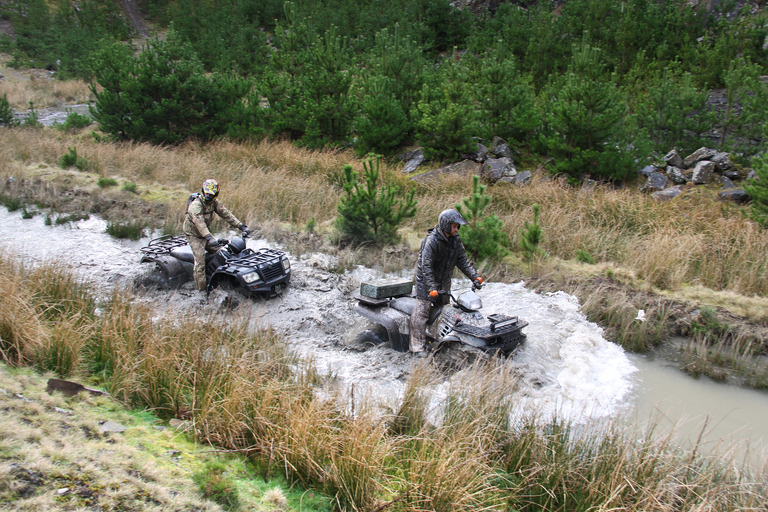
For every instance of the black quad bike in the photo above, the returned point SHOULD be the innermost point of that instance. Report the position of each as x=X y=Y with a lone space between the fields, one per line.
x=457 y=334
x=264 y=272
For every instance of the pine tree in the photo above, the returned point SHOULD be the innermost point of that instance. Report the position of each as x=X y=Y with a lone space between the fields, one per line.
x=586 y=115
x=757 y=189
x=674 y=113
x=6 y=113
x=531 y=237
x=483 y=236
x=369 y=213
x=446 y=117
x=507 y=101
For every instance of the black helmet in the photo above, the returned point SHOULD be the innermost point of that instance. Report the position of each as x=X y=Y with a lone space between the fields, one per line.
x=236 y=245
x=449 y=217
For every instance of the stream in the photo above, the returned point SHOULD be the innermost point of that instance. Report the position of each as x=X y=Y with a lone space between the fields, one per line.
x=567 y=368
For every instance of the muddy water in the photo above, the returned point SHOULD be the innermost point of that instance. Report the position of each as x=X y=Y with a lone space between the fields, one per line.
x=567 y=368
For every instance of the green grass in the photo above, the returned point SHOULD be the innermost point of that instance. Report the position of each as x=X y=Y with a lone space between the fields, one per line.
x=132 y=230
x=106 y=182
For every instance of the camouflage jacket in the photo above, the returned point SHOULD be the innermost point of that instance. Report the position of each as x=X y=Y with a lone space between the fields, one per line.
x=200 y=215
x=438 y=257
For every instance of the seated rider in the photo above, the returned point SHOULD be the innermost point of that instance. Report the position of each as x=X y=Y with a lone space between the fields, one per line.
x=197 y=223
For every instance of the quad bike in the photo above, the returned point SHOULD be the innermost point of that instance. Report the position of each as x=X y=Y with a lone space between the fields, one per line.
x=457 y=334
x=231 y=265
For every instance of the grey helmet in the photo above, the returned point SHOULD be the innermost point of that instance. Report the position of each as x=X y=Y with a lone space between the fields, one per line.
x=448 y=217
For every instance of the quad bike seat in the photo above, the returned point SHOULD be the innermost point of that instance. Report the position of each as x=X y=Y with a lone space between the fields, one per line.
x=407 y=304
x=183 y=253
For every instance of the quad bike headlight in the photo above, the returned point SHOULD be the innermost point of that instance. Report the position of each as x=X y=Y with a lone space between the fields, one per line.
x=251 y=278
x=286 y=264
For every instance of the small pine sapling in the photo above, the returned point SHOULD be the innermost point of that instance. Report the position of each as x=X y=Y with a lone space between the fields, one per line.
x=484 y=235
x=531 y=237
x=369 y=213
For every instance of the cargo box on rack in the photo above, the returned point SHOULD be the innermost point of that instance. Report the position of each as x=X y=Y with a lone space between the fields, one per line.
x=386 y=288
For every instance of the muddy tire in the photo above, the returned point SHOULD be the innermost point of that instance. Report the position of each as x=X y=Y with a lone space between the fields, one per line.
x=373 y=336
x=154 y=281
x=452 y=355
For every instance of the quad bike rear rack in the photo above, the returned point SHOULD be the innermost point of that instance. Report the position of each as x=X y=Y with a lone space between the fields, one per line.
x=164 y=244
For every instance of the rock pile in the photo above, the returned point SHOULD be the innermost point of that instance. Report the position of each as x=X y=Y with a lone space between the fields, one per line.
x=702 y=167
x=494 y=165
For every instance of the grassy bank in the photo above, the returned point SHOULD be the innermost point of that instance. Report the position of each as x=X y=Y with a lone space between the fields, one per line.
x=243 y=391
x=696 y=266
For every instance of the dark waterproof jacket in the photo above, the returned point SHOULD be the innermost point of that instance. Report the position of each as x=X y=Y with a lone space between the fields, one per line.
x=438 y=256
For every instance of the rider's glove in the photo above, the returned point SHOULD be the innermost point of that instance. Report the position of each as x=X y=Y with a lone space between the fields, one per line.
x=433 y=294
x=245 y=230
x=210 y=242
x=478 y=282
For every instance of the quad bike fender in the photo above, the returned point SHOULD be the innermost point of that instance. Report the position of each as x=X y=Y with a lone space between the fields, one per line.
x=176 y=272
x=399 y=342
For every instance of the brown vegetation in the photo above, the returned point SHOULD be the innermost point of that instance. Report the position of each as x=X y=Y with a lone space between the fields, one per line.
x=243 y=392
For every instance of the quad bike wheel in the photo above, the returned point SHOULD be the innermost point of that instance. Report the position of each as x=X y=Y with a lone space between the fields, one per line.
x=374 y=335
x=453 y=355
x=154 y=281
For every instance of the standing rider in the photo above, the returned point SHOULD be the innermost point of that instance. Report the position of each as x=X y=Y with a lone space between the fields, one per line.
x=197 y=225
x=441 y=251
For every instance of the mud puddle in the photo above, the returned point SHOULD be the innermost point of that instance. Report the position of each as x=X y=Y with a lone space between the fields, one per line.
x=566 y=367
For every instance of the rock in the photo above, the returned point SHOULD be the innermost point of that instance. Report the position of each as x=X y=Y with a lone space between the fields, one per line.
x=668 y=193
x=676 y=174
x=500 y=148
x=698 y=155
x=496 y=168
x=727 y=183
x=479 y=156
x=112 y=426
x=673 y=158
x=647 y=170
x=703 y=172
x=69 y=388
x=735 y=195
x=656 y=181
x=180 y=425
x=463 y=168
x=731 y=174
x=413 y=162
x=722 y=161
x=523 y=178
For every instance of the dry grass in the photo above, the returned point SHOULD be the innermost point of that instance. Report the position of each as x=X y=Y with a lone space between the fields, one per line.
x=243 y=391
x=44 y=92
x=692 y=241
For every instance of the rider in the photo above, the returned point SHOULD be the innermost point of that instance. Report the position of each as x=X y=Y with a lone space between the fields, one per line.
x=441 y=251
x=197 y=223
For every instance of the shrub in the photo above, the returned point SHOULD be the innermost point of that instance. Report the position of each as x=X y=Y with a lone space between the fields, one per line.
x=31 y=120
x=583 y=256
x=131 y=187
x=130 y=230
x=6 y=113
x=483 y=237
x=531 y=237
x=71 y=159
x=74 y=121
x=368 y=213
x=106 y=182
